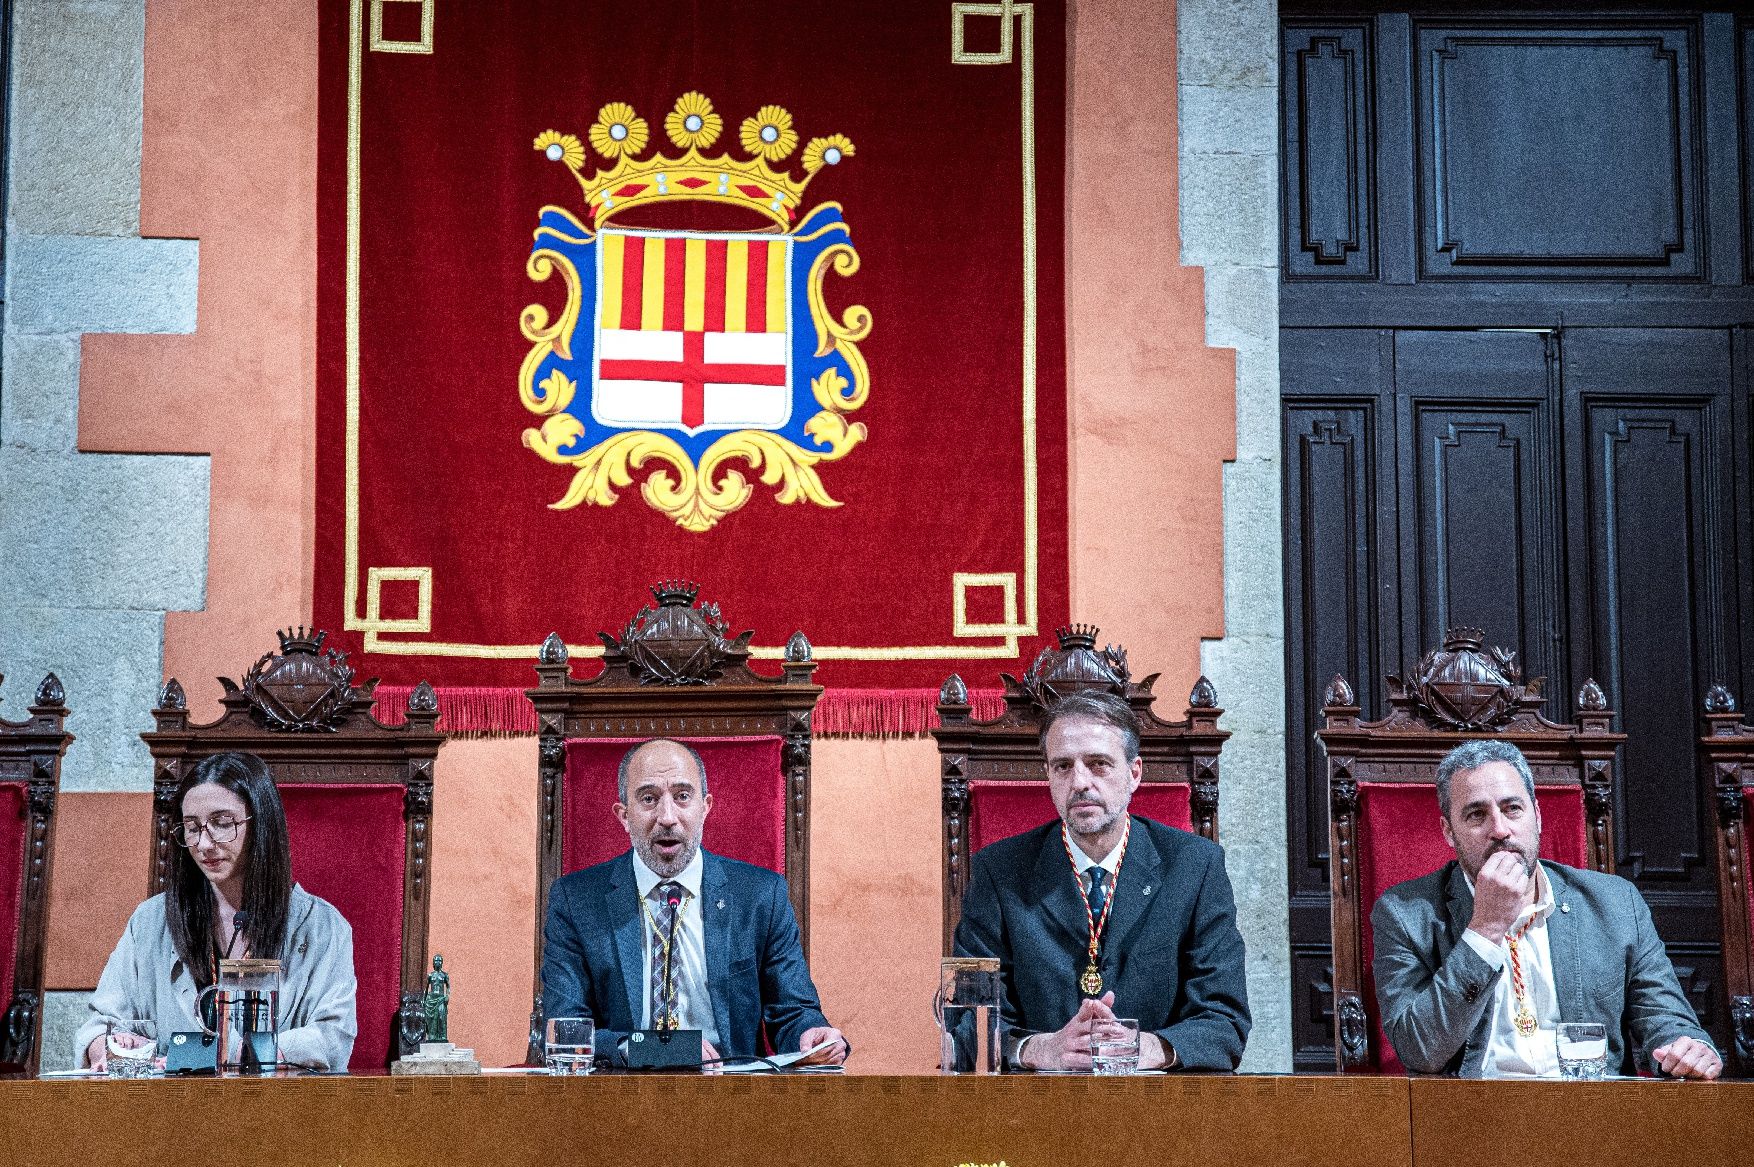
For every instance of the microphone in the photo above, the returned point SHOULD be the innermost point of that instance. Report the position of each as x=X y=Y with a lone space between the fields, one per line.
x=674 y=899
x=238 y=923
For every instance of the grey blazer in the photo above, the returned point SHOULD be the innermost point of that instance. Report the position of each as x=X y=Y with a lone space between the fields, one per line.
x=144 y=980
x=1435 y=993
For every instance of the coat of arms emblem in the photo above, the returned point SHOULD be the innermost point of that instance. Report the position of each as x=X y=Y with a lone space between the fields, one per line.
x=683 y=352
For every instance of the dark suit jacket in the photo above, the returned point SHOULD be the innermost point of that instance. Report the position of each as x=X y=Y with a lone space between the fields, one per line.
x=1171 y=953
x=1435 y=992
x=593 y=955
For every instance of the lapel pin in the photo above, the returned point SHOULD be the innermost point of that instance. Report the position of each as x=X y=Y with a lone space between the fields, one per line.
x=721 y=905
x=1565 y=908
x=1147 y=889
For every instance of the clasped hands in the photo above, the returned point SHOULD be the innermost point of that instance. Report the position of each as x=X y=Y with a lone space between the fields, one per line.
x=1070 y=1047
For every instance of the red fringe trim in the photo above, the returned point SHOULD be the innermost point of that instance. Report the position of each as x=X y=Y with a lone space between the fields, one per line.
x=890 y=712
x=486 y=712
x=465 y=711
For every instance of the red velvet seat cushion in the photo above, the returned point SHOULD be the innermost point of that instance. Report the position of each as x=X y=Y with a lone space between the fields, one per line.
x=14 y=830
x=998 y=810
x=348 y=846
x=747 y=821
x=1400 y=838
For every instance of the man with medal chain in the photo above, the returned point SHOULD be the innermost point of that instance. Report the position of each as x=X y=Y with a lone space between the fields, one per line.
x=1471 y=961
x=1100 y=914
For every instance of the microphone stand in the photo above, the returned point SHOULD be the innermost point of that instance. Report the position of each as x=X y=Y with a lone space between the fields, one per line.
x=671 y=1021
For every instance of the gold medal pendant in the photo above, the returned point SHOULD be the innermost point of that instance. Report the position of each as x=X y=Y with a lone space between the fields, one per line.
x=1091 y=981
x=1524 y=1021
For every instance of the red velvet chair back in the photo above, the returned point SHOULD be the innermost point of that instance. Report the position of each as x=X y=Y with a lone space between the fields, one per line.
x=349 y=846
x=998 y=810
x=747 y=822
x=994 y=783
x=675 y=671
x=1728 y=746
x=1399 y=821
x=358 y=800
x=30 y=782
x=1382 y=796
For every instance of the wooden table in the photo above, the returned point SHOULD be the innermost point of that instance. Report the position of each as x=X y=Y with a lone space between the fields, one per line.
x=1647 y=1123
x=916 y=1122
x=726 y=1122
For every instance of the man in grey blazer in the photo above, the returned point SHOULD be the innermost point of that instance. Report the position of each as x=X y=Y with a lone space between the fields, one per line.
x=1100 y=914
x=1478 y=962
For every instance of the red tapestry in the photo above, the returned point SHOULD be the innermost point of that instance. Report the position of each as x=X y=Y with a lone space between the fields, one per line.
x=765 y=296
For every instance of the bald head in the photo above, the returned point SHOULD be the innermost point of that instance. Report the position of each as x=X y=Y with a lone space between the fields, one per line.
x=666 y=754
x=663 y=804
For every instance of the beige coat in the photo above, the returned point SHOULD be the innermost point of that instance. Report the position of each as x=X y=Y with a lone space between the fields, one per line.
x=145 y=980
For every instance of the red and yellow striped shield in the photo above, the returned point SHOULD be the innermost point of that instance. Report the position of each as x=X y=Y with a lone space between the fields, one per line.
x=693 y=331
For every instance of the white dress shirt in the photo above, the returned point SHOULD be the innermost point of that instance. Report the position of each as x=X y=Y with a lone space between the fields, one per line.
x=694 y=1005
x=1508 y=1053
x=1110 y=863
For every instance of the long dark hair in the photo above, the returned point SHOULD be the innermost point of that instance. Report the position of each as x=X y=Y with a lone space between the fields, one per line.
x=267 y=863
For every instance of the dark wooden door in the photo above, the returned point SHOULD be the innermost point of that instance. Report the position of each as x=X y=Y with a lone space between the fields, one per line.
x=1516 y=285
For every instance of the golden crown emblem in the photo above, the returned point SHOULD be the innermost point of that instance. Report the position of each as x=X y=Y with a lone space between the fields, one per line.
x=621 y=135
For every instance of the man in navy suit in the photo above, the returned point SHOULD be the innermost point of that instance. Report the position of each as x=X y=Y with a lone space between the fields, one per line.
x=734 y=961
x=1100 y=914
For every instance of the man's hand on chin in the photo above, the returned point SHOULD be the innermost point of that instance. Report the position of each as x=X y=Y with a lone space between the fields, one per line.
x=834 y=1055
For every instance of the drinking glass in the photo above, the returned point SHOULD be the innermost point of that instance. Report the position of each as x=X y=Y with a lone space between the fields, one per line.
x=130 y=1049
x=1583 y=1050
x=1116 y=1050
x=570 y=1045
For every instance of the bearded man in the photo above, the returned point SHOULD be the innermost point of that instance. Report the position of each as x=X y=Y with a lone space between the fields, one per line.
x=735 y=965
x=1478 y=963
x=1100 y=914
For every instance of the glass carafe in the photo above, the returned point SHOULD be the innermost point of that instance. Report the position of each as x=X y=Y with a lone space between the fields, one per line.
x=246 y=1012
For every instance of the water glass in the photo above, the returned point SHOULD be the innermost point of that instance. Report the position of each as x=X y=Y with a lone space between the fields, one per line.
x=570 y=1045
x=1115 y=1049
x=130 y=1049
x=1583 y=1050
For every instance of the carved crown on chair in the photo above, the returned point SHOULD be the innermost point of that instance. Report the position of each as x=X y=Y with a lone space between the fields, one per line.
x=1074 y=666
x=300 y=689
x=1463 y=685
x=678 y=642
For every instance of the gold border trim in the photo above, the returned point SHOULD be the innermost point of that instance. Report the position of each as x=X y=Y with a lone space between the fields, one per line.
x=1019 y=47
x=423 y=45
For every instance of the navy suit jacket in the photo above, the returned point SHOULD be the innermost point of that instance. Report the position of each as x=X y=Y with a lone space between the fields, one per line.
x=593 y=955
x=1171 y=952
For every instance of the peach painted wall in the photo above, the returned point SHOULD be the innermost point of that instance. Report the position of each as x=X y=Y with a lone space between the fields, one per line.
x=229 y=158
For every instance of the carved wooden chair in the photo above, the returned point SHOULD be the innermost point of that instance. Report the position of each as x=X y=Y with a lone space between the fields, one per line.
x=1382 y=800
x=674 y=671
x=1728 y=746
x=30 y=781
x=994 y=782
x=358 y=799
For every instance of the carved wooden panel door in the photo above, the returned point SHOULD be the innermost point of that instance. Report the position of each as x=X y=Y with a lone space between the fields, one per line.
x=1514 y=358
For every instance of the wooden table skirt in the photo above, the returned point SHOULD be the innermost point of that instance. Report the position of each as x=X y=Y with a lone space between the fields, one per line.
x=819 y=1119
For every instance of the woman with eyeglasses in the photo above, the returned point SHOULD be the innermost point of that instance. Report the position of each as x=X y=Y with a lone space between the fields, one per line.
x=230 y=895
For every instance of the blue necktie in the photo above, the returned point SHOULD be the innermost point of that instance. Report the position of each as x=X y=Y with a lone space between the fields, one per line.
x=1097 y=896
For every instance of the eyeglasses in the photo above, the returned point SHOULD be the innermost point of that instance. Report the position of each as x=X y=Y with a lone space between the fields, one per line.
x=221 y=830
